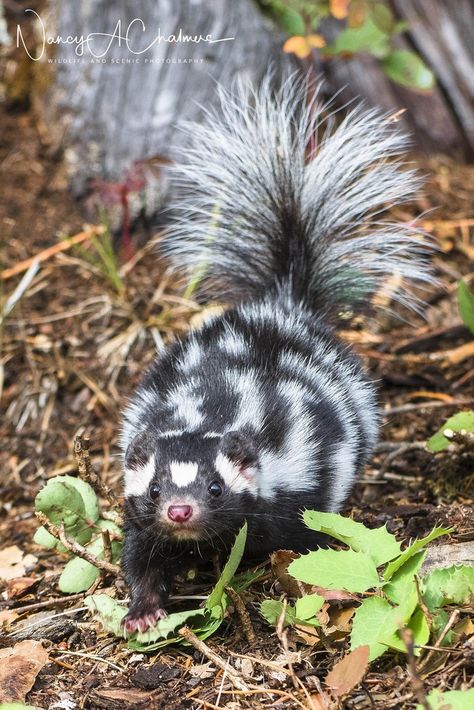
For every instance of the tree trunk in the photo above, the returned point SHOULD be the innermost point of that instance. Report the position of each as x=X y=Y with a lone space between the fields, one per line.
x=116 y=120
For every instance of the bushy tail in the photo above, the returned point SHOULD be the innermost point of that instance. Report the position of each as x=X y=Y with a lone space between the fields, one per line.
x=255 y=213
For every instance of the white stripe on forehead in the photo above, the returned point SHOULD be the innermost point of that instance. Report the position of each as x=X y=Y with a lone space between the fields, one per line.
x=137 y=480
x=236 y=480
x=183 y=472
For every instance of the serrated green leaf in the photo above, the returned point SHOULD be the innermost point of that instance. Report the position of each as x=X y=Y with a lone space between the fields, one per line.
x=378 y=542
x=466 y=305
x=408 y=69
x=336 y=569
x=451 y=585
x=450 y=700
x=370 y=624
x=308 y=606
x=460 y=422
x=108 y=610
x=365 y=38
x=415 y=547
x=404 y=578
x=216 y=596
x=377 y=623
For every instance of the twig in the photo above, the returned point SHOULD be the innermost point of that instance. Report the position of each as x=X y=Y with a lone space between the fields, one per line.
x=50 y=251
x=107 y=545
x=431 y=404
x=75 y=547
x=402 y=449
x=451 y=621
x=86 y=470
x=244 y=616
x=203 y=648
x=45 y=604
x=416 y=682
x=93 y=657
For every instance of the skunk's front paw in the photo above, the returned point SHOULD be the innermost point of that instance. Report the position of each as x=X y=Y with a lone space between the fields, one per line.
x=142 y=620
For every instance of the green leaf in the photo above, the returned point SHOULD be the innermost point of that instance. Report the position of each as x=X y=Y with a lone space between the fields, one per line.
x=272 y=609
x=450 y=700
x=452 y=585
x=308 y=606
x=108 y=610
x=377 y=623
x=466 y=305
x=370 y=624
x=415 y=547
x=69 y=500
x=216 y=596
x=404 y=578
x=291 y=21
x=78 y=574
x=378 y=543
x=460 y=422
x=366 y=38
x=408 y=69
x=44 y=538
x=341 y=569
x=383 y=17
x=420 y=629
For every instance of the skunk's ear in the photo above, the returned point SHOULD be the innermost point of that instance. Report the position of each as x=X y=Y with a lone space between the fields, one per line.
x=138 y=451
x=239 y=448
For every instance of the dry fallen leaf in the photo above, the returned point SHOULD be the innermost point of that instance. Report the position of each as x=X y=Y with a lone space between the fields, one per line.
x=348 y=672
x=13 y=562
x=7 y=616
x=17 y=586
x=19 y=667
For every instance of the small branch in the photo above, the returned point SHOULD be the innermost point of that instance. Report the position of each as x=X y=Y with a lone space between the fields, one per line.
x=86 y=470
x=399 y=451
x=107 y=545
x=203 y=648
x=75 y=547
x=244 y=616
x=416 y=682
x=47 y=253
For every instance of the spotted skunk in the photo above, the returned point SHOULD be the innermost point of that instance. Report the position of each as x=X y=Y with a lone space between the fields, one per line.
x=262 y=411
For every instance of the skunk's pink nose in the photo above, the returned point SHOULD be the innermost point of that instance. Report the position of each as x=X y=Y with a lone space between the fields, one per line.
x=179 y=513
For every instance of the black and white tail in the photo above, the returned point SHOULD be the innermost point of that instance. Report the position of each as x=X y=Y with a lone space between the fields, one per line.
x=255 y=214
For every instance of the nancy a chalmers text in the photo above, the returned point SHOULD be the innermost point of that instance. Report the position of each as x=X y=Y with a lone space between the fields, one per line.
x=106 y=40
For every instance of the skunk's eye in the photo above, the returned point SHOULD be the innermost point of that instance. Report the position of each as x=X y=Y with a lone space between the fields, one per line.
x=154 y=491
x=215 y=489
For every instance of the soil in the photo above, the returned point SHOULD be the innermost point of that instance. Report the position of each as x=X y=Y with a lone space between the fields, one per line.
x=72 y=350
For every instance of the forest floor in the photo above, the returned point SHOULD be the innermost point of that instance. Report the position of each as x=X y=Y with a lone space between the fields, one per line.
x=71 y=351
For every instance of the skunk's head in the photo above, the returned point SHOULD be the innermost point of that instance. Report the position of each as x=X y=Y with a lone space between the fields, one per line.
x=190 y=486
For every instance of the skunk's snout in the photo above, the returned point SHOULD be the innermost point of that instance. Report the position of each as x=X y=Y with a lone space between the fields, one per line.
x=180 y=513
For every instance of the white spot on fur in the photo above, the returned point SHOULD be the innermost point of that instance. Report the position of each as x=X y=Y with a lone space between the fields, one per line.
x=191 y=357
x=137 y=480
x=183 y=472
x=187 y=405
x=294 y=468
x=233 y=343
x=237 y=480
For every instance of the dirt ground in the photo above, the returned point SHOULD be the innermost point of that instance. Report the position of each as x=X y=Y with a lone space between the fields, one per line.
x=72 y=350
